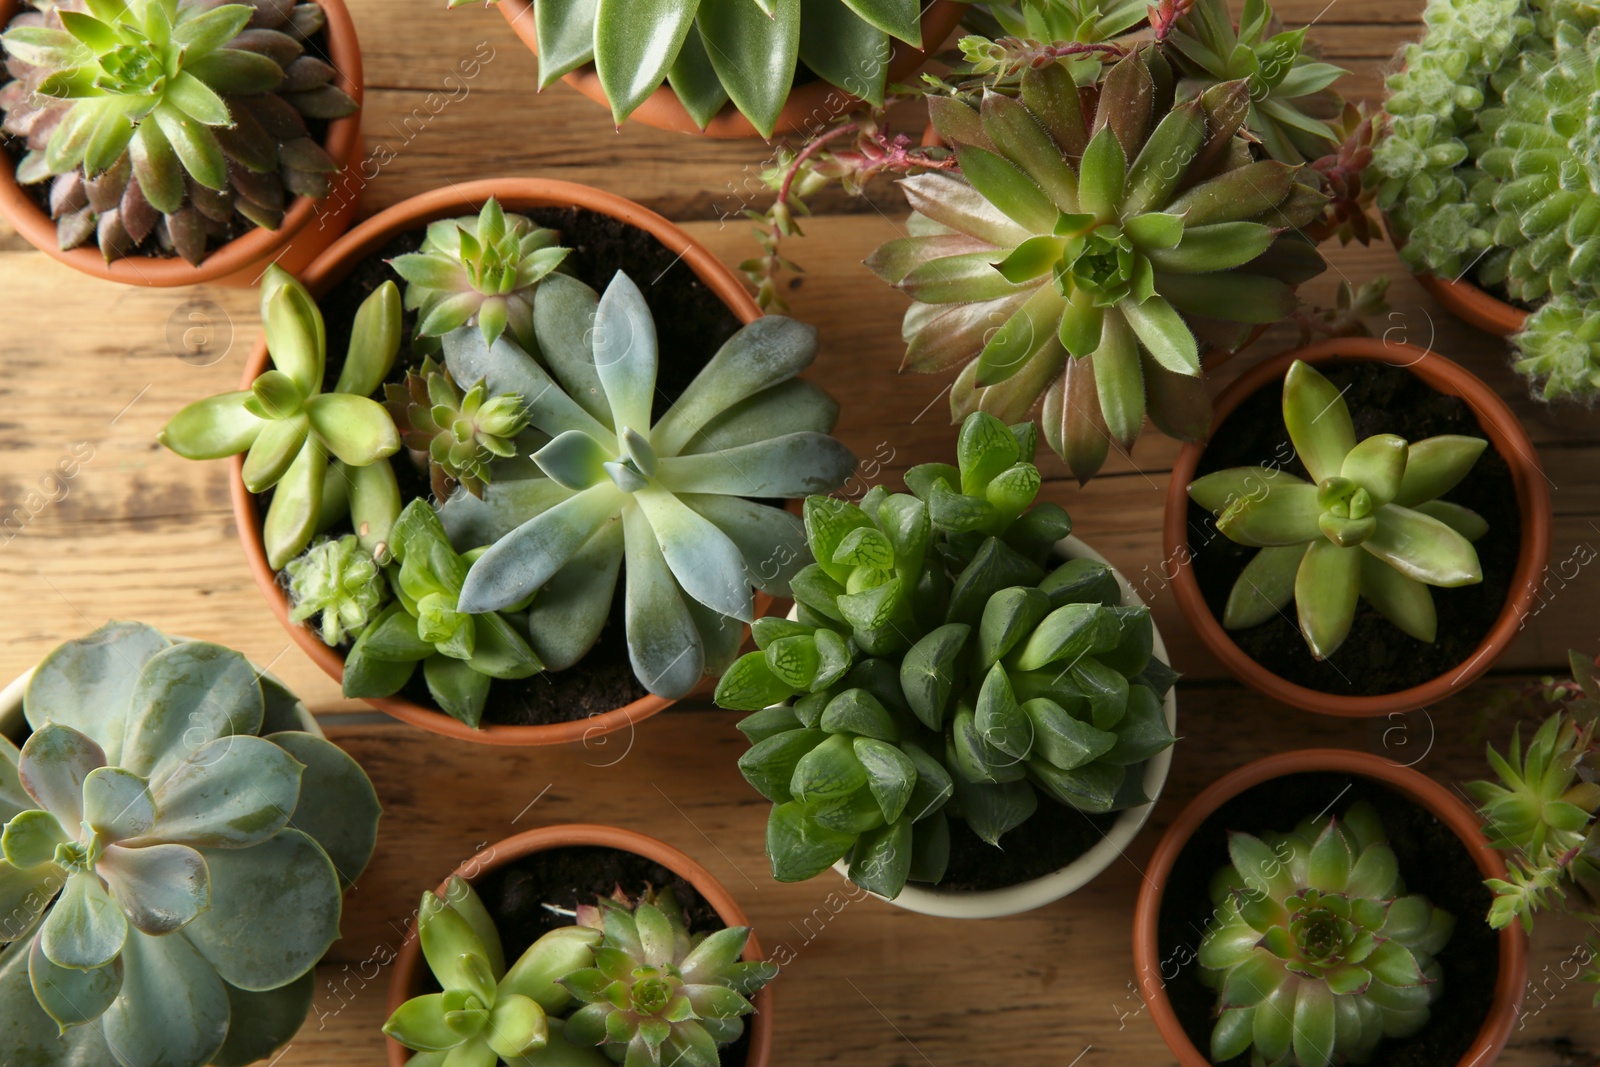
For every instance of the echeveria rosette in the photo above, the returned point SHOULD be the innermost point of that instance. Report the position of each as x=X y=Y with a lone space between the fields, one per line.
x=482 y=272
x=671 y=495
x=1291 y=99
x=458 y=434
x=168 y=118
x=711 y=51
x=485 y=1012
x=1319 y=953
x=289 y=427
x=175 y=850
x=460 y=652
x=1370 y=524
x=1085 y=254
x=337 y=582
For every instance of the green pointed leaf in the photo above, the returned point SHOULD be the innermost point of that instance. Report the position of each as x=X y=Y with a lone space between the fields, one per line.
x=1318 y=421
x=1101 y=176
x=1325 y=593
x=800 y=848
x=1435 y=466
x=1423 y=548
x=753 y=53
x=882 y=858
x=634 y=46
x=1265 y=587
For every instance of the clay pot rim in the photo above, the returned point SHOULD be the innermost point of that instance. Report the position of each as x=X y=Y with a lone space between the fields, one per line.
x=243 y=255
x=333 y=266
x=566 y=835
x=807 y=108
x=1507 y=437
x=1414 y=786
x=1466 y=300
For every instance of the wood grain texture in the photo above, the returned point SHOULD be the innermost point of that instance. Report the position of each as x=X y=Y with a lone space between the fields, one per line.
x=97 y=521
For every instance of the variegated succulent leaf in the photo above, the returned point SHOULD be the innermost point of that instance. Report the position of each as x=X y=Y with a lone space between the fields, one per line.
x=340 y=584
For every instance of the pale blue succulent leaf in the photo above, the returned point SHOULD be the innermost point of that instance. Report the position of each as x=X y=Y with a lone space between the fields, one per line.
x=172 y=1007
x=187 y=695
x=706 y=563
x=796 y=464
x=337 y=806
x=522 y=561
x=663 y=643
x=88 y=683
x=233 y=792
x=625 y=353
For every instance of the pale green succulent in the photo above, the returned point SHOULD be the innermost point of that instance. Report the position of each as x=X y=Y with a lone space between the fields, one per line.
x=289 y=427
x=340 y=583
x=1559 y=349
x=670 y=494
x=175 y=848
x=1040 y=22
x=1318 y=952
x=459 y=434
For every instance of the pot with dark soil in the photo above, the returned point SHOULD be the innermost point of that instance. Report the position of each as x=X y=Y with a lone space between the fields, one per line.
x=1364 y=531
x=969 y=712
x=180 y=143
x=545 y=507
x=570 y=946
x=1326 y=906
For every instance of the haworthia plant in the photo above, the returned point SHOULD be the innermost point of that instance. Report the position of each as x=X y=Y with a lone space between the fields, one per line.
x=175 y=848
x=669 y=495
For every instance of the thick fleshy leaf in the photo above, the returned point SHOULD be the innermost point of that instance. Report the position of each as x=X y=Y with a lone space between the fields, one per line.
x=296 y=506
x=635 y=45
x=374 y=342
x=160 y=888
x=1313 y=1024
x=212 y=428
x=355 y=429
x=53 y=765
x=1164 y=334
x=1377 y=464
x=1436 y=465
x=955 y=203
x=565 y=30
x=1215 y=247
x=771 y=350
x=625 y=352
x=1423 y=548
x=799 y=847
x=1008 y=188
x=695 y=80
x=1101 y=176
x=70 y=996
x=898 y=18
x=1404 y=601
x=24 y=893
x=881 y=861
x=232 y=792
x=88 y=683
x=1318 y=421
x=794 y=465
x=506 y=369
x=1118 y=380
x=663 y=643
x=1221 y=490
x=189 y=694
x=1011 y=346
x=753 y=53
x=519 y=563
x=276 y=447
x=1017 y=135
x=1286 y=515
x=260 y=1024
x=706 y=563
x=117 y=803
x=31 y=839
x=1265 y=587
x=1326 y=589
x=172 y=1008
x=85 y=928
x=195 y=145
x=337 y=806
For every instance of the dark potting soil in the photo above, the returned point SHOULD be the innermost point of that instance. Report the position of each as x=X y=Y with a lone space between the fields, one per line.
x=1052 y=837
x=516 y=895
x=691 y=324
x=1432 y=861
x=1377 y=657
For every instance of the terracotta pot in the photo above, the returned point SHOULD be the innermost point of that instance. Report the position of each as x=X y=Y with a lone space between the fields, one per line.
x=1036 y=893
x=1465 y=300
x=332 y=267
x=1505 y=435
x=407 y=979
x=308 y=228
x=808 y=108
x=1462 y=821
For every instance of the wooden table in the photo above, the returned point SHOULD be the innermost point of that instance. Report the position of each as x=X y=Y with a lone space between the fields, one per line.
x=93 y=369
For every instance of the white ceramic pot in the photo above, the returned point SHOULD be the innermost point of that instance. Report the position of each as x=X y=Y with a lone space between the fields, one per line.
x=1025 y=896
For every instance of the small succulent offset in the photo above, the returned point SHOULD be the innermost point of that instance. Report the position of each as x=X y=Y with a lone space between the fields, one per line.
x=459 y=434
x=670 y=494
x=650 y=993
x=1108 y=242
x=289 y=427
x=1559 y=349
x=480 y=272
x=168 y=117
x=175 y=848
x=460 y=653
x=340 y=583
x=1370 y=524
x=1320 y=953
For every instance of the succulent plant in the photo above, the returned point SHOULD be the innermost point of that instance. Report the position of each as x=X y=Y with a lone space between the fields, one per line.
x=711 y=51
x=1370 y=524
x=175 y=848
x=1318 y=952
x=289 y=427
x=340 y=583
x=1291 y=102
x=1042 y=23
x=168 y=117
x=480 y=272
x=669 y=494
x=460 y=653
x=1085 y=253
x=1559 y=349
x=460 y=434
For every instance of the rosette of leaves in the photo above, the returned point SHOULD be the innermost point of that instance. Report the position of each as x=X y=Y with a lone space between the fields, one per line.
x=1369 y=525
x=338 y=582
x=1291 y=99
x=487 y=1013
x=168 y=118
x=1319 y=953
x=460 y=434
x=1558 y=349
x=460 y=653
x=669 y=494
x=481 y=272
x=1073 y=261
x=714 y=51
x=175 y=848
x=289 y=427
x=1040 y=22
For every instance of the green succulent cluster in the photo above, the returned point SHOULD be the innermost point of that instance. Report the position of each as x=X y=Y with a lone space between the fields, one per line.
x=459 y=434
x=1558 y=349
x=292 y=431
x=1317 y=952
x=934 y=669
x=339 y=583
x=481 y=272
x=175 y=849
x=1091 y=246
x=1369 y=525
x=627 y=983
x=1042 y=22
x=168 y=117
x=671 y=495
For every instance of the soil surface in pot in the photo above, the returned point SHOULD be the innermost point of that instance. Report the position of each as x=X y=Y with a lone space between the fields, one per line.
x=1377 y=657
x=691 y=324
x=1052 y=837
x=517 y=894
x=1433 y=862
